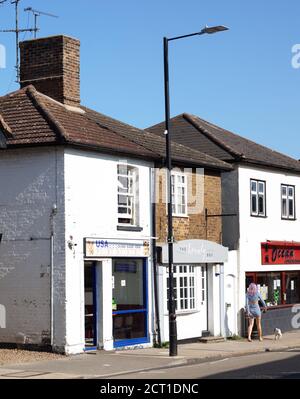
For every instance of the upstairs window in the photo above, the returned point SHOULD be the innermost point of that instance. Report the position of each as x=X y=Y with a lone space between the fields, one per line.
x=287 y=202
x=127 y=195
x=258 y=197
x=179 y=194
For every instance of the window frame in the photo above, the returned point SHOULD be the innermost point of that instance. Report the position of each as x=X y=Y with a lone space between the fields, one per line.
x=288 y=186
x=175 y=204
x=134 y=177
x=283 y=289
x=258 y=214
x=192 y=302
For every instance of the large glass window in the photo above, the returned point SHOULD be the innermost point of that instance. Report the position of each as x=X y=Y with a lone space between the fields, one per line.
x=287 y=202
x=269 y=285
x=277 y=288
x=184 y=287
x=127 y=195
x=129 y=299
x=258 y=197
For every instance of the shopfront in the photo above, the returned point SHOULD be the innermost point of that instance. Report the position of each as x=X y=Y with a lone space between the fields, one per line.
x=278 y=283
x=199 y=289
x=116 y=293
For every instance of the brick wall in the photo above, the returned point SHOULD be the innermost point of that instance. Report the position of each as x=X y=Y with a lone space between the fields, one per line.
x=205 y=192
x=52 y=65
x=32 y=182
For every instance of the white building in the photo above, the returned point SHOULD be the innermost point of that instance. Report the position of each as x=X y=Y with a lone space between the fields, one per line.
x=75 y=215
x=259 y=219
x=64 y=237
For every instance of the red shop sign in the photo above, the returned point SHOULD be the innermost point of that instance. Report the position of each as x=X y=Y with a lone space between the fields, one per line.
x=280 y=253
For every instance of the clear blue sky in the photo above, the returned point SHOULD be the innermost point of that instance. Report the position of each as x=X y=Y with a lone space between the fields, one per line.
x=242 y=79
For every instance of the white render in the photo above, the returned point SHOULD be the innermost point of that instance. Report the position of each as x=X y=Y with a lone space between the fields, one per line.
x=231 y=281
x=91 y=211
x=72 y=193
x=254 y=230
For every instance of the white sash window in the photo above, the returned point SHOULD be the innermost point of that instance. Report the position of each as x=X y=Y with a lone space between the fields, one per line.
x=127 y=194
x=258 y=198
x=287 y=202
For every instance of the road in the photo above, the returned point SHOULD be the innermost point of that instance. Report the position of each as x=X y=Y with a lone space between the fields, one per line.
x=268 y=365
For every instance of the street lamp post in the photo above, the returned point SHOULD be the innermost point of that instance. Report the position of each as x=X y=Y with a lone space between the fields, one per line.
x=171 y=308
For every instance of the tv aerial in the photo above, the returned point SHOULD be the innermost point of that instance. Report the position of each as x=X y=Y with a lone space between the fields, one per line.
x=17 y=30
x=36 y=14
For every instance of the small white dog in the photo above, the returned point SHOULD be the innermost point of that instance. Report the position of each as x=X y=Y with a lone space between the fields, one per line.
x=277 y=333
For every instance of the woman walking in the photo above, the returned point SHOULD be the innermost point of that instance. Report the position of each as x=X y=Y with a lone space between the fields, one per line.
x=253 y=310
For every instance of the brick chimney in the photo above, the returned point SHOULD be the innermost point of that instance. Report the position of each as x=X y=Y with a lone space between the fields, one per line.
x=52 y=66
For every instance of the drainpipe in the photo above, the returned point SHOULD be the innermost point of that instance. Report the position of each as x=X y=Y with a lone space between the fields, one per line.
x=154 y=260
x=207 y=285
x=53 y=213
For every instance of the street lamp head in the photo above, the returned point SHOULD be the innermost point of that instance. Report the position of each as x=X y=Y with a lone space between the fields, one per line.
x=213 y=29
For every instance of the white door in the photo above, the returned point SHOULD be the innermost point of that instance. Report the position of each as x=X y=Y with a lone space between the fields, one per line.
x=203 y=298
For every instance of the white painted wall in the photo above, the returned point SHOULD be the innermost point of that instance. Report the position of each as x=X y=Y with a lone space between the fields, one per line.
x=254 y=230
x=91 y=211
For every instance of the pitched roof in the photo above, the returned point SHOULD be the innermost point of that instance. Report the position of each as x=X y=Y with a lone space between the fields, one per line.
x=35 y=119
x=180 y=153
x=4 y=128
x=204 y=136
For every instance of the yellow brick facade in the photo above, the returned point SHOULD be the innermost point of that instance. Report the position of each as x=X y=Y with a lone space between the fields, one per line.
x=204 y=192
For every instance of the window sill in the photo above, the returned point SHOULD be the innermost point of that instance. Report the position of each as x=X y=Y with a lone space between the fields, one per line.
x=180 y=216
x=184 y=312
x=129 y=228
x=289 y=219
x=259 y=216
x=287 y=305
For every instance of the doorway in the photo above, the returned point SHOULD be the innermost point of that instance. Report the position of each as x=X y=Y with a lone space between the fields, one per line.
x=129 y=304
x=90 y=305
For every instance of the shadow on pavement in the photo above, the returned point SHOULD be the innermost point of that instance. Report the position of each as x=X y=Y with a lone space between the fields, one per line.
x=279 y=369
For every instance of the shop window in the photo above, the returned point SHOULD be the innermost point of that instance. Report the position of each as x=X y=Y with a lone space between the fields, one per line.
x=287 y=202
x=179 y=194
x=270 y=287
x=184 y=287
x=258 y=198
x=127 y=195
x=277 y=288
x=292 y=287
x=129 y=304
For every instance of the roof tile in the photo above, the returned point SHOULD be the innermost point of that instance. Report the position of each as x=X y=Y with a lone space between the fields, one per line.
x=206 y=137
x=35 y=119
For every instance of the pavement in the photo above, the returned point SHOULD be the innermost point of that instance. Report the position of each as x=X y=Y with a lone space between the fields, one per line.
x=105 y=364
